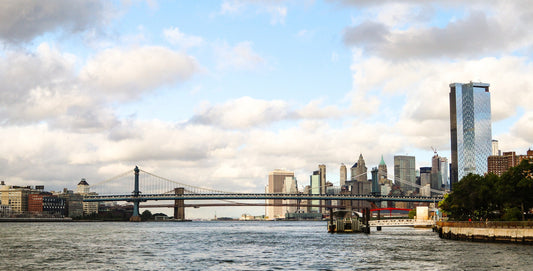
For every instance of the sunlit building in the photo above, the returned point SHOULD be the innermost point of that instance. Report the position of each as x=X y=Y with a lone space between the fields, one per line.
x=276 y=179
x=84 y=189
x=471 y=129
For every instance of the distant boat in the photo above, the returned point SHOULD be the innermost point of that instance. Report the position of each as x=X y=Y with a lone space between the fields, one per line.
x=347 y=222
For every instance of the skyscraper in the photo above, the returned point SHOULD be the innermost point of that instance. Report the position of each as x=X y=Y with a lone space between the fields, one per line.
x=439 y=172
x=382 y=170
x=405 y=172
x=276 y=182
x=359 y=171
x=471 y=129
x=343 y=174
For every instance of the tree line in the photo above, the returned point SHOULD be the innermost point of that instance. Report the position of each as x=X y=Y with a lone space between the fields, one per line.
x=490 y=197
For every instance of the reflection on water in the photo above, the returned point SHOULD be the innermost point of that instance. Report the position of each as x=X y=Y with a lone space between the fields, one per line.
x=242 y=246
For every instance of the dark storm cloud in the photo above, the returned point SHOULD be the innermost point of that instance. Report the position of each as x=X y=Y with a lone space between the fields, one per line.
x=23 y=20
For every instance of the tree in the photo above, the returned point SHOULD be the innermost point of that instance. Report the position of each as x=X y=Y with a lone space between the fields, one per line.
x=507 y=197
x=146 y=215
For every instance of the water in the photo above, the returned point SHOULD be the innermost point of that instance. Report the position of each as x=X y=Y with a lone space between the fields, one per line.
x=242 y=246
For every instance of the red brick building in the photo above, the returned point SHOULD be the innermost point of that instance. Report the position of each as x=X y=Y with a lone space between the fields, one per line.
x=498 y=164
x=46 y=203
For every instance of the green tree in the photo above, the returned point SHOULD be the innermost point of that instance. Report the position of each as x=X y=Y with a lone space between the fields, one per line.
x=146 y=215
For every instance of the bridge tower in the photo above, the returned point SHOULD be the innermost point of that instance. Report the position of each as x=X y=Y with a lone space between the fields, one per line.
x=179 y=207
x=135 y=195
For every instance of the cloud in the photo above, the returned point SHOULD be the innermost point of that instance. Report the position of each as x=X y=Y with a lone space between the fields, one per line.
x=242 y=113
x=23 y=20
x=51 y=91
x=180 y=39
x=491 y=30
x=277 y=12
x=523 y=128
x=247 y=113
x=240 y=57
x=123 y=74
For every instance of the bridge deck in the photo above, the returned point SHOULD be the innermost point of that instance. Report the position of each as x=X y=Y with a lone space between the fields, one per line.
x=255 y=196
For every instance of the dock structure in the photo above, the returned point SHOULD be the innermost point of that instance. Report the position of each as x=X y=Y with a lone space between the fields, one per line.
x=489 y=231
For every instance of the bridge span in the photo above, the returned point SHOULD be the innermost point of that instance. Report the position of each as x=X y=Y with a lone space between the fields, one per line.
x=162 y=189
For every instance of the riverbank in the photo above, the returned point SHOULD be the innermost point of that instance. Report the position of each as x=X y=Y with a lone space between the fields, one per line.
x=490 y=231
x=35 y=219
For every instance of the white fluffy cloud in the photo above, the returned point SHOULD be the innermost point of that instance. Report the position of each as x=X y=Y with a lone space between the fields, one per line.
x=126 y=73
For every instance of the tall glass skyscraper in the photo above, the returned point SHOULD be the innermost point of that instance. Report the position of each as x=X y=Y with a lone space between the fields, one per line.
x=471 y=129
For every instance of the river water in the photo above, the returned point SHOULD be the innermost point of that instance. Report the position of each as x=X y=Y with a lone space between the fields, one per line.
x=242 y=246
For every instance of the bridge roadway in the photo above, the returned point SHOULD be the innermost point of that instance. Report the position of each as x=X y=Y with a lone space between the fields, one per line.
x=255 y=196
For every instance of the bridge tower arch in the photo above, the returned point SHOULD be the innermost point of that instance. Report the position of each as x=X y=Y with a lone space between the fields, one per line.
x=135 y=217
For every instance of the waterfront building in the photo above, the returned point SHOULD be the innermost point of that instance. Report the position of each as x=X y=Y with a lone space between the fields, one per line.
x=46 y=203
x=16 y=197
x=382 y=169
x=405 y=172
x=275 y=184
x=5 y=210
x=73 y=201
x=83 y=189
x=343 y=175
x=359 y=170
x=471 y=129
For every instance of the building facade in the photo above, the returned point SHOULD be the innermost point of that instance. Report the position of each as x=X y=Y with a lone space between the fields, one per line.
x=83 y=189
x=499 y=164
x=314 y=182
x=382 y=170
x=359 y=171
x=276 y=178
x=471 y=129
x=343 y=175
x=405 y=172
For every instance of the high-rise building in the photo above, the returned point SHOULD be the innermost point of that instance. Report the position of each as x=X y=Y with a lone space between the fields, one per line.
x=376 y=189
x=343 y=175
x=382 y=170
x=322 y=171
x=439 y=172
x=359 y=170
x=426 y=174
x=84 y=189
x=290 y=187
x=314 y=183
x=495 y=149
x=471 y=129
x=405 y=172
x=276 y=180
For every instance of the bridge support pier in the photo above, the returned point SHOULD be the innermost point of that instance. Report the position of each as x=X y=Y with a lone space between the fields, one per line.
x=135 y=217
x=179 y=206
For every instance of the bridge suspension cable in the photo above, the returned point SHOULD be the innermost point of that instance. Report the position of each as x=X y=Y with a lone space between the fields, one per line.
x=195 y=189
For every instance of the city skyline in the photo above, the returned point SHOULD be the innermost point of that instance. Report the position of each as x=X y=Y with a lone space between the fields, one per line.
x=218 y=94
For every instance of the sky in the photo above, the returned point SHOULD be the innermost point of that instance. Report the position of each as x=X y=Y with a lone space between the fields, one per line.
x=219 y=93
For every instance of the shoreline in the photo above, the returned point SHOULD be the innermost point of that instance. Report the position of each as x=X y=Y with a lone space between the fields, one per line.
x=490 y=231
